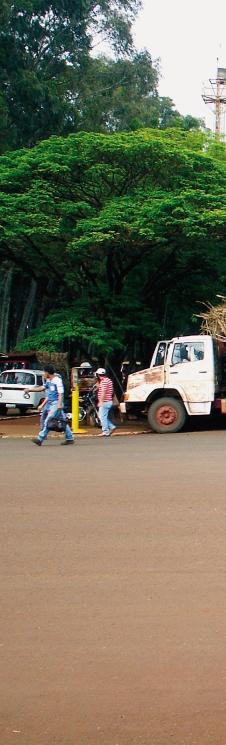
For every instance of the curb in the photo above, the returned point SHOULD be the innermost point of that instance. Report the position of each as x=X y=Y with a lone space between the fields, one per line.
x=77 y=436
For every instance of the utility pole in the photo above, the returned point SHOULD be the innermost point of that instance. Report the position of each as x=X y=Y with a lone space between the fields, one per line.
x=217 y=95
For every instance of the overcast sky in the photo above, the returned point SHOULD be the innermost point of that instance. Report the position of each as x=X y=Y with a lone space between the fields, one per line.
x=188 y=37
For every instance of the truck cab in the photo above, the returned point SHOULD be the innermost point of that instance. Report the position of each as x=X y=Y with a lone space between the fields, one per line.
x=184 y=379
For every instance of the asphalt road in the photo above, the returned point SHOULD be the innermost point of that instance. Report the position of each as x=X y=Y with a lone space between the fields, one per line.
x=113 y=591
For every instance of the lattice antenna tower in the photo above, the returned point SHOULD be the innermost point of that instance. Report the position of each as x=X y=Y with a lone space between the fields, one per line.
x=216 y=95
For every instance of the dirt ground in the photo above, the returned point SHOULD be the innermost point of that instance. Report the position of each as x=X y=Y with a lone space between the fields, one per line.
x=113 y=597
x=14 y=425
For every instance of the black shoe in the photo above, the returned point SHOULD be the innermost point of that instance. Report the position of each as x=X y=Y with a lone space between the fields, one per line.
x=68 y=442
x=36 y=441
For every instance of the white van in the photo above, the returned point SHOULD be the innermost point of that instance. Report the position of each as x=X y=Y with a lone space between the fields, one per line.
x=13 y=385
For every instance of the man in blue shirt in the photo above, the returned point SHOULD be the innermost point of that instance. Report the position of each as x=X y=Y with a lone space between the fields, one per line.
x=52 y=404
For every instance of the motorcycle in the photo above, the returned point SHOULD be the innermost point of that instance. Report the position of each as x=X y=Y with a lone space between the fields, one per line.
x=88 y=408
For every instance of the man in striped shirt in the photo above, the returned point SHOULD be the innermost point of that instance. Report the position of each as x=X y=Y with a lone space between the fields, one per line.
x=105 y=401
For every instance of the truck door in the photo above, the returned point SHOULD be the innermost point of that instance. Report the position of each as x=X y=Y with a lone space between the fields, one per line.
x=191 y=371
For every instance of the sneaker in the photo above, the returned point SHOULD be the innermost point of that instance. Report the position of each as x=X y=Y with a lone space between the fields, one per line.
x=36 y=441
x=68 y=442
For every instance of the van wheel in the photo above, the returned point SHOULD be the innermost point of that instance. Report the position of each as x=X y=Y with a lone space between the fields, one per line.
x=22 y=409
x=166 y=415
x=3 y=409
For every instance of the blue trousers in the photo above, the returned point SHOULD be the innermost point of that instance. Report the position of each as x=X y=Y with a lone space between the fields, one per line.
x=106 y=424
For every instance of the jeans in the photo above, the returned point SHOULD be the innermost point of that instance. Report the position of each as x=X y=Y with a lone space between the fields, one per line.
x=106 y=424
x=43 y=415
x=48 y=413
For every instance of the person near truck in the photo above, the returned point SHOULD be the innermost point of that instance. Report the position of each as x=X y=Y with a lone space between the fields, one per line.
x=105 y=401
x=52 y=405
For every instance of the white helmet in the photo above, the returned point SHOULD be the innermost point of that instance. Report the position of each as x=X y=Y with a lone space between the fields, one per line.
x=100 y=371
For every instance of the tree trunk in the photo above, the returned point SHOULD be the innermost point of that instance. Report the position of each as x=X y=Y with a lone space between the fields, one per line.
x=27 y=312
x=44 y=303
x=4 y=318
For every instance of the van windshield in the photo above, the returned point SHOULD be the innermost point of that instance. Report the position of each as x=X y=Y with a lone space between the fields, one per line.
x=19 y=377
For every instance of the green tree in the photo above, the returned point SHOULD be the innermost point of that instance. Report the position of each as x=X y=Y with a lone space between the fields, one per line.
x=119 y=95
x=170 y=117
x=50 y=83
x=121 y=235
x=44 y=50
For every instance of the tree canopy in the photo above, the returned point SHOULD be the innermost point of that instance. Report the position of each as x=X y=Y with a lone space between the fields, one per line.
x=45 y=50
x=51 y=82
x=121 y=235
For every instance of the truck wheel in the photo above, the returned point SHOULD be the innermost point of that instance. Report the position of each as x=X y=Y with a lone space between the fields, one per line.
x=3 y=409
x=166 y=415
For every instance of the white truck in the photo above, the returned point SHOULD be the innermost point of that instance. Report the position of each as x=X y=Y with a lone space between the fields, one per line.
x=186 y=377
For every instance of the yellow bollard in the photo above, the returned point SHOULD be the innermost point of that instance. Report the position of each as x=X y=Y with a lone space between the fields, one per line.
x=75 y=411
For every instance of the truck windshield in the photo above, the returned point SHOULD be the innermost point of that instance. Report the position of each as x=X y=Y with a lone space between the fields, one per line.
x=188 y=352
x=17 y=378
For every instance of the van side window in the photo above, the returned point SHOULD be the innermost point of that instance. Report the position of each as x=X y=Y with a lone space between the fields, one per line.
x=190 y=352
x=39 y=380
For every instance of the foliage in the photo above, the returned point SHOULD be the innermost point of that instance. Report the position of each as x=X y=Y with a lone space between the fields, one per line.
x=170 y=117
x=50 y=82
x=44 y=54
x=123 y=235
x=119 y=94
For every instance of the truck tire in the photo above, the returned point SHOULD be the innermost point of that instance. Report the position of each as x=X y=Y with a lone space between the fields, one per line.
x=166 y=415
x=3 y=409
